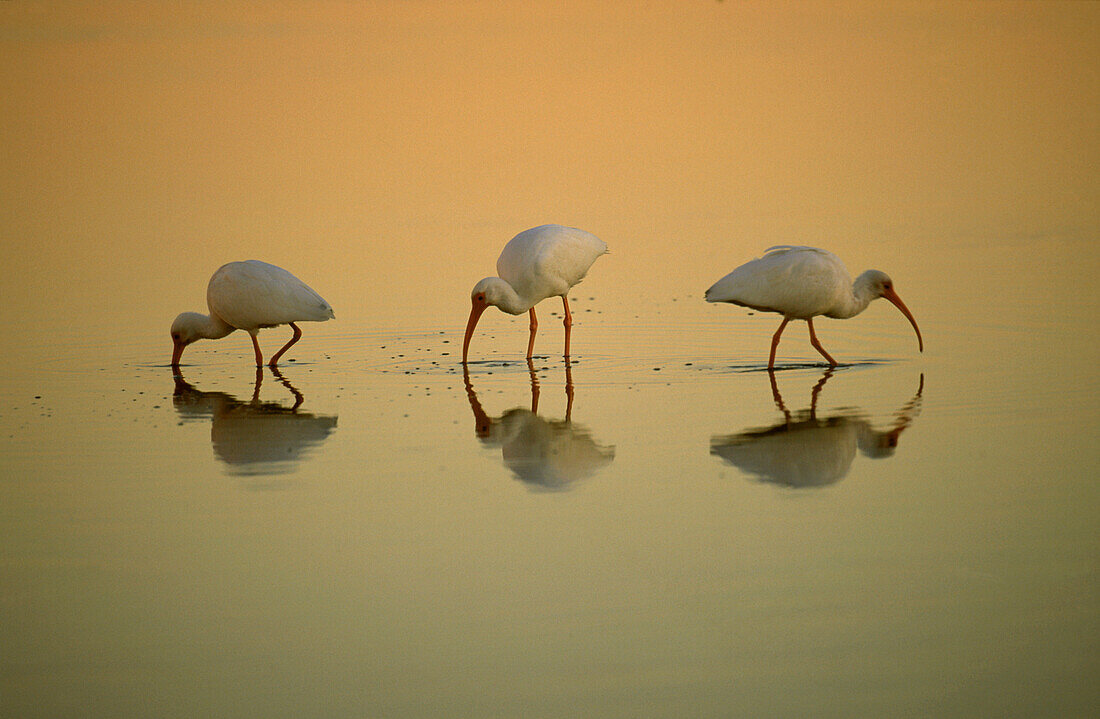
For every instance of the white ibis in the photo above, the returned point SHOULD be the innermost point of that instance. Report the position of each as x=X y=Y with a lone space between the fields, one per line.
x=538 y=263
x=801 y=283
x=247 y=296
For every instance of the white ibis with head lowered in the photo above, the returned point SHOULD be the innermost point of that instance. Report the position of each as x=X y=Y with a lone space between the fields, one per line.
x=801 y=283
x=538 y=263
x=248 y=296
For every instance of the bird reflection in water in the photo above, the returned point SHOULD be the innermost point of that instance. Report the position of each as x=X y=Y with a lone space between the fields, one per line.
x=254 y=438
x=810 y=451
x=547 y=455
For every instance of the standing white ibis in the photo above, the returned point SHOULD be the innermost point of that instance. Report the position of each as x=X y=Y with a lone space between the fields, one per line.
x=538 y=263
x=247 y=296
x=801 y=283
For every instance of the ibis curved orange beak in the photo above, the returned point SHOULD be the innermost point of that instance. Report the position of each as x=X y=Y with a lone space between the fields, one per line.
x=177 y=352
x=893 y=297
x=475 y=314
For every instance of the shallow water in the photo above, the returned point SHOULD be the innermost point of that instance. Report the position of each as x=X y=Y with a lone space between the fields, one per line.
x=659 y=528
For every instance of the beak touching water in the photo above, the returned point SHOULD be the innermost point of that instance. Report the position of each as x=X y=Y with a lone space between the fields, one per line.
x=479 y=305
x=893 y=297
x=177 y=352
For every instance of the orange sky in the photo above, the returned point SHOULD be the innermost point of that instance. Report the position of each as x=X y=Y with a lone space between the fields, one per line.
x=160 y=140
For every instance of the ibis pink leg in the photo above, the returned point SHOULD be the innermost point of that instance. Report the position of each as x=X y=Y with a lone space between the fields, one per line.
x=256 y=346
x=297 y=336
x=817 y=345
x=775 y=342
x=534 y=327
x=568 y=322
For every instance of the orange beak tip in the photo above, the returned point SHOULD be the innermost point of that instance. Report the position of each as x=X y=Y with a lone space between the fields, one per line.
x=896 y=301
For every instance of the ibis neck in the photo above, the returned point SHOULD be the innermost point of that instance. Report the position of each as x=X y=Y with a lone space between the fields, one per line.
x=855 y=302
x=508 y=300
x=212 y=327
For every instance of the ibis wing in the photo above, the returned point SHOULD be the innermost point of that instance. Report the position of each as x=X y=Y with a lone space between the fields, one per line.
x=256 y=294
x=546 y=261
x=798 y=282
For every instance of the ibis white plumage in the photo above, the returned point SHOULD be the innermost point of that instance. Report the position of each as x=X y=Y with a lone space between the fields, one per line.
x=801 y=283
x=249 y=296
x=542 y=262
